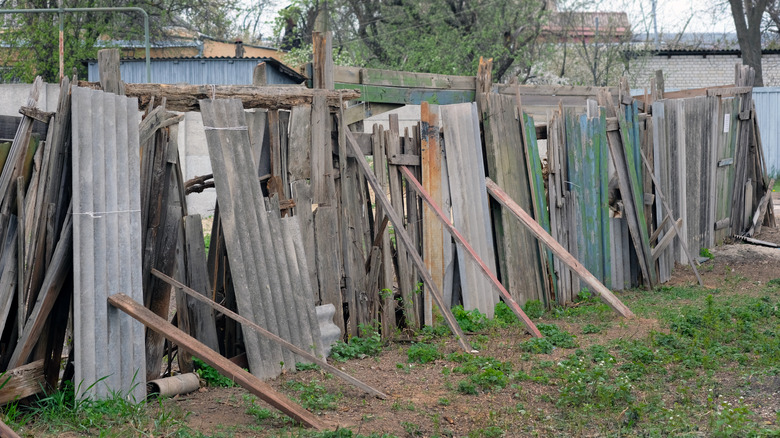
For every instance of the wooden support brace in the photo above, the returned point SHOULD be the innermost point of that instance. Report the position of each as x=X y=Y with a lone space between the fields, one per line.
x=683 y=243
x=400 y=233
x=222 y=364
x=414 y=184
x=35 y=113
x=564 y=256
x=666 y=241
x=268 y=335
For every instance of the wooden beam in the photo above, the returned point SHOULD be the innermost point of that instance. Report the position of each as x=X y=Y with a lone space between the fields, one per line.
x=222 y=364
x=403 y=236
x=415 y=185
x=265 y=333
x=728 y=92
x=185 y=97
x=35 y=113
x=564 y=256
x=404 y=160
x=550 y=90
x=390 y=78
x=7 y=432
x=21 y=382
x=108 y=70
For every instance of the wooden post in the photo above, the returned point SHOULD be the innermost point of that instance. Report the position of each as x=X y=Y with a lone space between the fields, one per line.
x=433 y=237
x=484 y=75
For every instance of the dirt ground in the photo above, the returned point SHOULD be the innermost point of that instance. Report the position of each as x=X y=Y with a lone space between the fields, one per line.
x=418 y=395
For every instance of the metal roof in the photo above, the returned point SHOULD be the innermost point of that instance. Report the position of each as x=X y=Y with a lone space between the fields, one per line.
x=200 y=71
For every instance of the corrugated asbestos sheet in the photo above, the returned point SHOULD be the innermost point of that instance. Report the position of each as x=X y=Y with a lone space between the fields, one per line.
x=767 y=100
x=107 y=244
x=196 y=71
x=266 y=259
x=471 y=217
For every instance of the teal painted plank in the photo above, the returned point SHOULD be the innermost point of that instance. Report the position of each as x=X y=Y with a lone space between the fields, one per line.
x=408 y=96
x=539 y=197
x=629 y=130
x=603 y=184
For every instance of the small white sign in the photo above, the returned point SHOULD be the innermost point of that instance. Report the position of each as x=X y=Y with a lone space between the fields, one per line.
x=726 y=122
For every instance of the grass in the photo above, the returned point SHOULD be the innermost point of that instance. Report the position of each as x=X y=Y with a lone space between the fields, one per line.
x=60 y=412
x=368 y=344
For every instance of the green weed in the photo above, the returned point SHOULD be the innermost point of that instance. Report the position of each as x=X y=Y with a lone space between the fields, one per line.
x=368 y=344
x=211 y=376
x=313 y=396
x=423 y=353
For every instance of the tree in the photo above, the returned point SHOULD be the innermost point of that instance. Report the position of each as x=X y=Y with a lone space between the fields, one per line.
x=748 y=16
x=437 y=36
x=33 y=39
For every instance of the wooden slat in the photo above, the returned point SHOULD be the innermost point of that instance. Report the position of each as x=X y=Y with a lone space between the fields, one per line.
x=665 y=241
x=550 y=90
x=201 y=319
x=403 y=236
x=251 y=383
x=299 y=143
x=382 y=237
x=558 y=250
x=433 y=237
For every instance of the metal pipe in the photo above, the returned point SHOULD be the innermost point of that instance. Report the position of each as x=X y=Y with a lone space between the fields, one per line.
x=61 y=10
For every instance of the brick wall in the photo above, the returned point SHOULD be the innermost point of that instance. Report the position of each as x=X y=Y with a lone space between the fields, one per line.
x=697 y=71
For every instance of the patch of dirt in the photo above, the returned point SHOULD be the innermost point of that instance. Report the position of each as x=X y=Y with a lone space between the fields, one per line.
x=422 y=400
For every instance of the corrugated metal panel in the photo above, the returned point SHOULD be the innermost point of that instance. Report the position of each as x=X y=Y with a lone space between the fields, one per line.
x=264 y=263
x=110 y=352
x=767 y=101
x=195 y=71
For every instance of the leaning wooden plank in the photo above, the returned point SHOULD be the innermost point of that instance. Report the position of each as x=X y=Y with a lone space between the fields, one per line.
x=762 y=207
x=222 y=364
x=21 y=382
x=265 y=333
x=61 y=263
x=665 y=241
x=617 y=151
x=558 y=250
x=185 y=97
x=669 y=212
x=401 y=234
x=201 y=318
x=7 y=432
x=414 y=184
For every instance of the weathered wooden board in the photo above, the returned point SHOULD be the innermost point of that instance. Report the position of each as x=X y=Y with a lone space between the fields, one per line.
x=469 y=204
x=407 y=96
x=21 y=382
x=518 y=252
x=724 y=173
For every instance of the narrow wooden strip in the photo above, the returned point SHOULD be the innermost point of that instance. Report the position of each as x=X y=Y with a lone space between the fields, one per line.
x=265 y=333
x=401 y=234
x=414 y=184
x=222 y=364
x=404 y=160
x=659 y=229
x=665 y=241
x=761 y=209
x=558 y=250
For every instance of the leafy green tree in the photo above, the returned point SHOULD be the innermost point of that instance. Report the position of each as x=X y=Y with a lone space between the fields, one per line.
x=31 y=41
x=437 y=36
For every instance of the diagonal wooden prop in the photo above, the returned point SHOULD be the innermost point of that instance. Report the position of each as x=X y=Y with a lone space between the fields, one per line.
x=414 y=184
x=558 y=250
